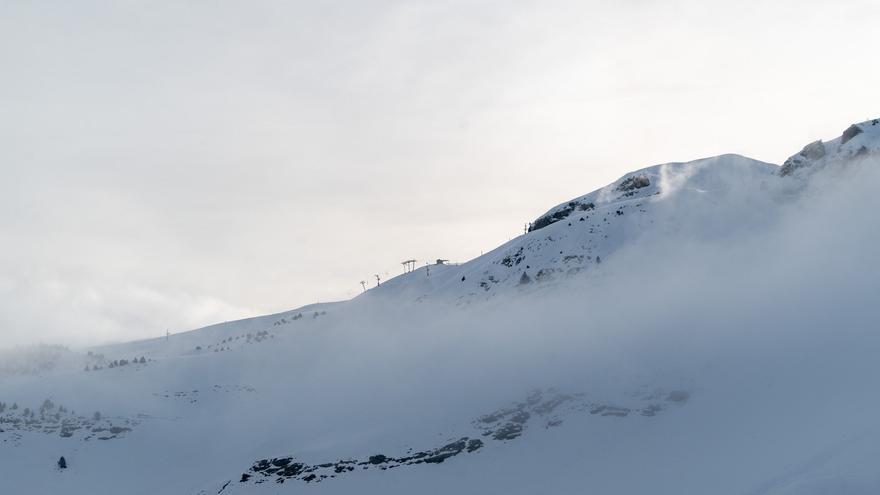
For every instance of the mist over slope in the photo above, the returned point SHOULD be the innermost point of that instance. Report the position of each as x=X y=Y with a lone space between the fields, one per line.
x=719 y=336
x=574 y=237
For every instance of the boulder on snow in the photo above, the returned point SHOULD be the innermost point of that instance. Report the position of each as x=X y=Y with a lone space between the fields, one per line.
x=814 y=150
x=851 y=132
x=634 y=182
x=811 y=152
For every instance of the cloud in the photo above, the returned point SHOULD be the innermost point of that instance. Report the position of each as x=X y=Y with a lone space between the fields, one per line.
x=51 y=310
x=771 y=330
x=272 y=155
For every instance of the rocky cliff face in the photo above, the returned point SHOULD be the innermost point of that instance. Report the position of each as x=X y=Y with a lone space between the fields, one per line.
x=857 y=141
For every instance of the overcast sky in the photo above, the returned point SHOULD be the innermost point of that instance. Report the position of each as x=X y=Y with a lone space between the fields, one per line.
x=165 y=165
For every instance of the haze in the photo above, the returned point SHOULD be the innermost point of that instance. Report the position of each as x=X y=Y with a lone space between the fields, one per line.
x=168 y=165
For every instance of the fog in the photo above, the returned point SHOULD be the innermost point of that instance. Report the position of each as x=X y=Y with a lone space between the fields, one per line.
x=793 y=292
x=168 y=166
x=768 y=326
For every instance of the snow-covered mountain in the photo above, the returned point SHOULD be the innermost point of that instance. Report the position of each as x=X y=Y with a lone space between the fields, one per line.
x=699 y=327
x=573 y=238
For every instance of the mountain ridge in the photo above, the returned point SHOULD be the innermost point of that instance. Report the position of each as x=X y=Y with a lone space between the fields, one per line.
x=504 y=266
x=692 y=317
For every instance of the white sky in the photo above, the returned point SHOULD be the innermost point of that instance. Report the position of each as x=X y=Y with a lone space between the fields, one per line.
x=165 y=165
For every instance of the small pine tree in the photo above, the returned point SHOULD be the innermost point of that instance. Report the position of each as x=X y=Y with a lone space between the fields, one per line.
x=62 y=463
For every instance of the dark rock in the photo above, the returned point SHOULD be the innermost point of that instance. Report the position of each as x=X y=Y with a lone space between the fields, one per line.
x=437 y=459
x=447 y=451
x=474 y=444
x=814 y=150
x=851 y=132
x=559 y=214
x=508 y=432
x=633 y=183
x=811 y=152
x=292 y=470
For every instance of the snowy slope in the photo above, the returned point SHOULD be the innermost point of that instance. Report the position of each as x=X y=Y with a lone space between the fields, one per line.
x=858 y=141
x=699 y=331
x=573 y=238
